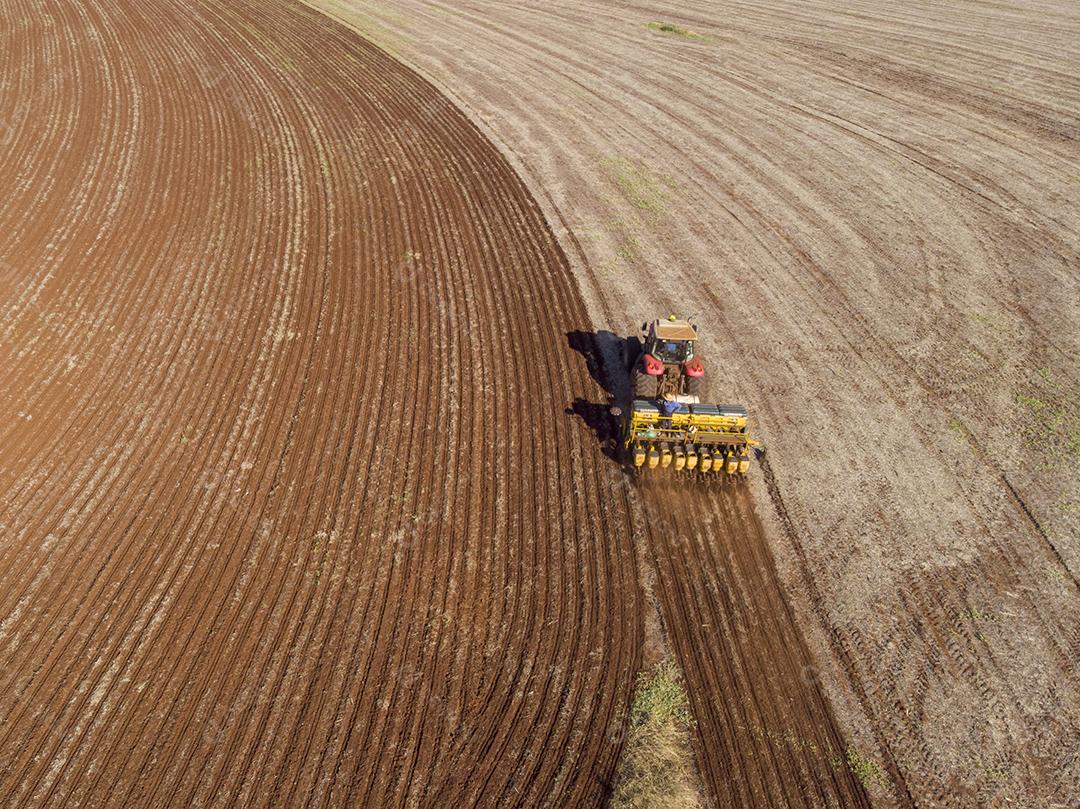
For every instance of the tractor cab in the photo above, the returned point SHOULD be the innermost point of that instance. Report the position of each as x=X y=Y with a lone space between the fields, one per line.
x=671 y=340
x=670 y=343
x=665 y=367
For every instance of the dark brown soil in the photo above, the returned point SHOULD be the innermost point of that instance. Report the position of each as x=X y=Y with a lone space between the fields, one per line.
x=291 y=508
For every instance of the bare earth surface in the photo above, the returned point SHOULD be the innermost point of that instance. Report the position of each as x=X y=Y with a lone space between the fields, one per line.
x=872 y=209
x=279 y=333
x=301 y=501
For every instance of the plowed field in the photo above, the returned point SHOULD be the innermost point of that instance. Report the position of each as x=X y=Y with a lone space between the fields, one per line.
x=766 y=733
x=301 y=498
x=870 y=207
x=291 y=511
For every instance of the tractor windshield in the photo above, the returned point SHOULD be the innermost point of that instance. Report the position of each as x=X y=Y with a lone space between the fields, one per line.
x=673 y=350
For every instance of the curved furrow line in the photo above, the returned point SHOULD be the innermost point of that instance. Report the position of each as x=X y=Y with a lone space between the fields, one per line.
x=147 y=348
x=419 y=457
x=318 y=327
x=222 y=523
x=312 y=689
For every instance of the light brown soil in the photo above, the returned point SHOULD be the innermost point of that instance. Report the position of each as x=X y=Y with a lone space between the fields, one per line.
x=871 y=208
x=291 y=509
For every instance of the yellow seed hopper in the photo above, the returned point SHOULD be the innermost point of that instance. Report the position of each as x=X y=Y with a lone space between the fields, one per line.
x=702 y=437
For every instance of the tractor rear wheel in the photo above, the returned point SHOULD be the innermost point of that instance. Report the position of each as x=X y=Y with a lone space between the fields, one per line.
x=695 y=386
x=643 y=385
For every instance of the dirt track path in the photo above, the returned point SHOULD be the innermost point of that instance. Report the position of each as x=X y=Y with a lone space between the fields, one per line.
x=279 y=333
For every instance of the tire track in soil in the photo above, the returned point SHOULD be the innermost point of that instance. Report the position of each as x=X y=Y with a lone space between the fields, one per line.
x=278 y=327
x=766 y=735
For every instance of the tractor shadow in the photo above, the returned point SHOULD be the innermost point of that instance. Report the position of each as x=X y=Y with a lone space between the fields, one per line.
x=604 y=354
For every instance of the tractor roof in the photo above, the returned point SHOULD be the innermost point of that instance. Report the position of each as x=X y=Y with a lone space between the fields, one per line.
x=675 y=330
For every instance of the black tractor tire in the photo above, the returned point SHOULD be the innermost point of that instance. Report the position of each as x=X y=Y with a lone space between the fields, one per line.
x=642 y=385
x=695 y=386
x=631 y=353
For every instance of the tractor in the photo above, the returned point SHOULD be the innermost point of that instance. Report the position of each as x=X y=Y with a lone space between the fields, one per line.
x=666 y=424
x=662 y=362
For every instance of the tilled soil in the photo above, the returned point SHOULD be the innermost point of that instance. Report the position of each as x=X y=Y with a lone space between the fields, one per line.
x=870 y=207
x=292 y=511
x=766 y=733
x=299 y=503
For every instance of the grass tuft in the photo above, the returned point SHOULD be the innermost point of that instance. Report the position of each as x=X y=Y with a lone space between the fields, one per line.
x=640 y=187
x=865 y=769
x=674 y=30
x=956 y=426
x=655 y=771
x=1051 y=419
